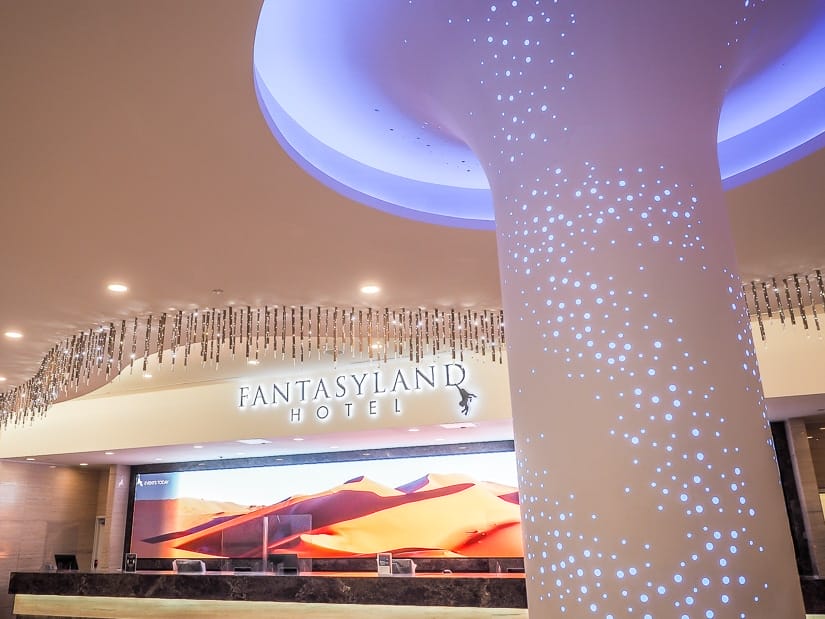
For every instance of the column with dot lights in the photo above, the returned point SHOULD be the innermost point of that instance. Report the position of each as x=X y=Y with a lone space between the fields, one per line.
x=647 y=477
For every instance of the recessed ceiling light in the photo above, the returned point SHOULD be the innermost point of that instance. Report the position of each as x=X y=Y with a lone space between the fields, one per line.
x=253 y=362
x=370 y=289
x=158 y=459
x=458 y=426
x=253 y=441
x=2 y=379
x=147 y=375
x=30 y=459
x=117 y=287
x=334 y=447
x=109 y=453
x=297 y=438
x=13 y=335
x=84 y=464
x=413 y=430
x=198 y=446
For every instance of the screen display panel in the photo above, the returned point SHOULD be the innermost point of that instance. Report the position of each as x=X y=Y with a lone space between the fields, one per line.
x=457 y=505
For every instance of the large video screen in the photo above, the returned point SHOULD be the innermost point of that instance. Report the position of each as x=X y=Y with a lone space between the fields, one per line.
x=461 y=505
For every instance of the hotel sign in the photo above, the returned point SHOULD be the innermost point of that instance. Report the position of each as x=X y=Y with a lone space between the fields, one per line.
x=352 y=394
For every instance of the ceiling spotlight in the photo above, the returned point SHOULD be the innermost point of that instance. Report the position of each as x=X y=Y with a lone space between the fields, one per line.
x=84 y=464
x=198 y=446
x=13 y=335
x=370 y=289
x=30 y=459
x=458 y=426
x=297 y=438
x=253 y=362
x=115 y=287
x=147 y=375
x=109 y=453
x=413 y=430
x=253 y=441
x=2 y=379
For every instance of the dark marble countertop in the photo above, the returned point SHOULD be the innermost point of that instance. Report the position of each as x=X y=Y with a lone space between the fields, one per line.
x=468 y=590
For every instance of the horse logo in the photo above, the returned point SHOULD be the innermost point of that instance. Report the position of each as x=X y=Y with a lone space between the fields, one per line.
x=466 y=398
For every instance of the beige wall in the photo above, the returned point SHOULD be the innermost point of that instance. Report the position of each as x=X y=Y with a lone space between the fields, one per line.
x=188 y=408
x=791 y=359
x=44 y=510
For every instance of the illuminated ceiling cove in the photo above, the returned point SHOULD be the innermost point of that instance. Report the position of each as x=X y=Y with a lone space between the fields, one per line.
x=393 y=153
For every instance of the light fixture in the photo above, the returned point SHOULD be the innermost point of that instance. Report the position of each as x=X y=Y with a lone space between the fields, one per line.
x=413 y=430
x=254 y=362
x=83 y=464
x=370 y=289
x=197 y=446
x=461 y=425
x=13 y=335
x=436 y=330
x=253 y=441
x=30 y=459
x=297 y=438
x=2 y=379
x=109 y=453
x=117 y=287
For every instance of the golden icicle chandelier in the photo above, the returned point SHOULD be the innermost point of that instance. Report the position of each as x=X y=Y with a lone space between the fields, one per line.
x=93 y=357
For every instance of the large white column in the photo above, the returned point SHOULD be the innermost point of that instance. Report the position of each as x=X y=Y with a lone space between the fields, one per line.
x=647 y=477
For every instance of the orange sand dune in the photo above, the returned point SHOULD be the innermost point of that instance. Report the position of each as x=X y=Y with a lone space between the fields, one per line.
x=436 y=515
x=462 y=521
x=155 y=517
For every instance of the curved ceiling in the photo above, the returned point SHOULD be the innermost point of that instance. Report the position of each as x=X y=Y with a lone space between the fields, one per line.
x=374 y=149
x=134 y=150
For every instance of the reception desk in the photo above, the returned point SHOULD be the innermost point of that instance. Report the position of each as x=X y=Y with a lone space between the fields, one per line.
x=222 y=594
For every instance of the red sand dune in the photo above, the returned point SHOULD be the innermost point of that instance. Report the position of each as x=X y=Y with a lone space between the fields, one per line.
x=437 y=515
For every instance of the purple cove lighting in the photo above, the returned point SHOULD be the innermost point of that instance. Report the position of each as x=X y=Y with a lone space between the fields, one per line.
x=374 y=151
x=647 y=480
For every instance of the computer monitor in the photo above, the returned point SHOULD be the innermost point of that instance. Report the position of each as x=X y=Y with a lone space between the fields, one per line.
x=65 y=562
x=283 y=563
x=189 y=566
